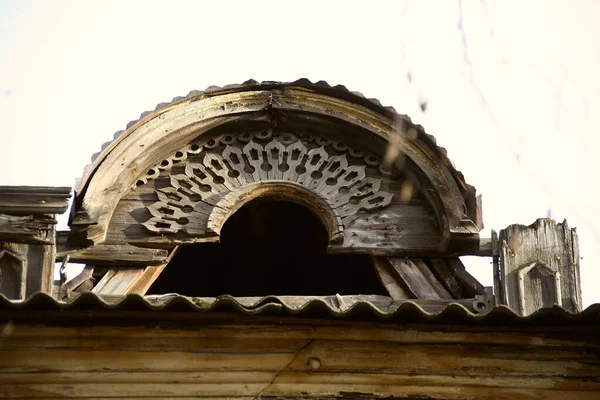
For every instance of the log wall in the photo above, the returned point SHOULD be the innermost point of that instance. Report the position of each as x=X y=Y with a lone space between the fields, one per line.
x=260 y=357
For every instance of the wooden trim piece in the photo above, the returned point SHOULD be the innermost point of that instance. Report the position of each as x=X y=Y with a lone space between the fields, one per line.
x=30 y=229
x=419 y=279
x=479 y=213
x=468 y=283
x=390 y=279
x=74 y=283
x=144 y=280
x=122 y=281
x=112 y=254
x=117 y=281
x=446 y=277
x=13 y=270
x=24 y=200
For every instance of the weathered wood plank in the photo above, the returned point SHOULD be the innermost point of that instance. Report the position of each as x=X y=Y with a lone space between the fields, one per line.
x=399 y=229
x=105 y=254
x=479 y=213
x=138 y=379
x=289 y=360
x=117 y=281
x=25 y=200
x=143 y=282
x=419 y=278
x=260 y=329
x=575 y=287
x=85 y=276
x=316 y=386
x=27 y=229
x=390 y=279
x=41 y=259
x=538 y=268
x=470 y=286
x=13 y=270
x=335 y=355
x=446 y=276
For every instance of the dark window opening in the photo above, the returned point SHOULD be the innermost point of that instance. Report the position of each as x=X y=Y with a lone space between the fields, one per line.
x=268 y=247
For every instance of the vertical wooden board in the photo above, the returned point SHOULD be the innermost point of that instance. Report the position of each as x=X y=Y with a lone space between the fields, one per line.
x=419 y=279
x=479 y=213
x=34 y=269
x=13 y=270
x=390 y=279
x=577 y=295
x=528 y=256
x=40 y=268
x=498 y=286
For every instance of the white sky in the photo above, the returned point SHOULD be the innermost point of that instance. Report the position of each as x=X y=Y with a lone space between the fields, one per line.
x=516 y=110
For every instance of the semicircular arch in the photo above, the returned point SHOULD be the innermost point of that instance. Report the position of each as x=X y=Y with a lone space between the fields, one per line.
x=159 y=135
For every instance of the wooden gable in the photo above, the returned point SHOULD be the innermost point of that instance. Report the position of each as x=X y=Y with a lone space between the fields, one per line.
x=378 y=182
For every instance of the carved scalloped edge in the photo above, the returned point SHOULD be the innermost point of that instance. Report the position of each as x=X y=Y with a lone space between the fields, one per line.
x=370 y=159
x=360 y=186
x=339 y=90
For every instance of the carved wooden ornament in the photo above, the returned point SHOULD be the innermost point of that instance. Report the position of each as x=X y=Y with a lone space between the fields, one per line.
x=217 y=180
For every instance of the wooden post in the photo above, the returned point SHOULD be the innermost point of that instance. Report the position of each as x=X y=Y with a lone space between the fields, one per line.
x=538 y=267
x=13 y=270
x=27 y=238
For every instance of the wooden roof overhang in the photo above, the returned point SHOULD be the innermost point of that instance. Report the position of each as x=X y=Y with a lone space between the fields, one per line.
x=171 y=126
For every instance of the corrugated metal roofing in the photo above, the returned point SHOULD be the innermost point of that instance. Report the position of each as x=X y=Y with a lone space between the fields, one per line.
x=329 y=307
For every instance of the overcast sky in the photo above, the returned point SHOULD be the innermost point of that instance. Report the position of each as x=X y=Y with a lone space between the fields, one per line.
x=512 y=87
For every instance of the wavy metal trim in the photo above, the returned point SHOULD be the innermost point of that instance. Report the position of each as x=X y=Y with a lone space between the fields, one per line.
x=322 y=308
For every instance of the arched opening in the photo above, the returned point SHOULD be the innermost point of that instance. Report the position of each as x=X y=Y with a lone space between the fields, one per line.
x=268 y=247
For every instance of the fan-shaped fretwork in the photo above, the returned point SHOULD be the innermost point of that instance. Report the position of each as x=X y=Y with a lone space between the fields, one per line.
x=209 y=175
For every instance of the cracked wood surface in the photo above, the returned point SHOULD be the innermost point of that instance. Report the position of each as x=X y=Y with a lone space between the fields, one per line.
x=27 y=228
x=305 y=359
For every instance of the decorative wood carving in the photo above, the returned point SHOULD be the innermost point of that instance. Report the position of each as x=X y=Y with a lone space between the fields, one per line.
x=207 y=173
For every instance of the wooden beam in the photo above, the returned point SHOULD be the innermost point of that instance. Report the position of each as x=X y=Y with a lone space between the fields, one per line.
x=105 y=254
x=131 y=280
x=116 y=281
x=419 y=278
x=390 y=279
x=24 y=200
x=27 y=229
x=145 y=279
x=479 y=212
x=446 y=277
x=471 y=286
x=85 y=275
